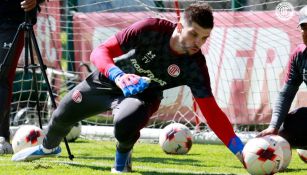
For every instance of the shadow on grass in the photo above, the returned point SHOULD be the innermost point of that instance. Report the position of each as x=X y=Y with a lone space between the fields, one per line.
x=178 y=173
x=173 y=161
x=148 y=172
x=289 y=170
x=169 y=160
x=94 y=167
x=90 y=157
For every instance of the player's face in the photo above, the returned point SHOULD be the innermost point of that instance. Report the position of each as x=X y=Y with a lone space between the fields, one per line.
x=192 y=37
x=304 y=32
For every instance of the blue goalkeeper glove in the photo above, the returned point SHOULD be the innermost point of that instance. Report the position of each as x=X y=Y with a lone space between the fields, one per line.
x=130 y=84
x=236 y=146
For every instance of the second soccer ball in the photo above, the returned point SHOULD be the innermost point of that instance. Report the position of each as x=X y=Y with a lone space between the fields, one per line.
x=176 y=138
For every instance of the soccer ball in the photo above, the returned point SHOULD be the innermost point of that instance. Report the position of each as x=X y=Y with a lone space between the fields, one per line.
x=287 y=153
x=263 y=155
x=175 y=138
x=74 y=132
x=27 y=136
x=302 y=154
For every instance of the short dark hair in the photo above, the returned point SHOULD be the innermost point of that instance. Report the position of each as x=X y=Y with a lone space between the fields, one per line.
x=201 y=13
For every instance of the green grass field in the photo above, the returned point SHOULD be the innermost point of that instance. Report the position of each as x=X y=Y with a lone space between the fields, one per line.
x=96 y=157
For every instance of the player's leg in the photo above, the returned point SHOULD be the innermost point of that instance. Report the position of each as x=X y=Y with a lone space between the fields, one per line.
x=130 y=116
x=85 y=100
x=8 y=30
x=80 y=103
x=294 y=128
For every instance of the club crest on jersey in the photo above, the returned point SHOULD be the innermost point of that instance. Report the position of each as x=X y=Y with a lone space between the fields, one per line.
x=173 y=70
x=76 y=96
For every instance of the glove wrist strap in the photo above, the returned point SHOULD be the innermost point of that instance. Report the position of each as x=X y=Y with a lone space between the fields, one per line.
x=235 y=145
x=114 y=73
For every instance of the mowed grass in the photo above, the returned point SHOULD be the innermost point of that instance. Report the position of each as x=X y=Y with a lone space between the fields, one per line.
x=96 y=158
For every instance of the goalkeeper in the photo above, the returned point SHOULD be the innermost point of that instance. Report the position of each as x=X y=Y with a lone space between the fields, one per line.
x=292 y=126
x=133 y=68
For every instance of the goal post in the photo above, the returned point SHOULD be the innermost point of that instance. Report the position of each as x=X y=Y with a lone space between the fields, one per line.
x=246 y=55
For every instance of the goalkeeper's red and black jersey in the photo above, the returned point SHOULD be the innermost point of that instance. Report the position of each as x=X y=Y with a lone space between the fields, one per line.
x=144 y=49
x=146 y=45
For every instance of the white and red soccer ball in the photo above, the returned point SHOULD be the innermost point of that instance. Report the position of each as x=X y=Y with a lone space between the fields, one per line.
x=74 y=133
x=287 y=152
x=302 y=154
x=266 y=155
x=176 y=138
x=27 y=136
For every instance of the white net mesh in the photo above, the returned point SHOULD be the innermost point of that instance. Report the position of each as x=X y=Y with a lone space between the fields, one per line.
x=246 y=54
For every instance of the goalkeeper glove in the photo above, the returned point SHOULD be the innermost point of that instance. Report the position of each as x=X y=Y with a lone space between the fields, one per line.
x=130 y=84
x=236 y=146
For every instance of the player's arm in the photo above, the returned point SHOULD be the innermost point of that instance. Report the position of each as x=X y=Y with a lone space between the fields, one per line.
x=221 y=126
x=286 y=95
x=280 y=109
x=102 y=58
x=215 y=117
x=283 y=105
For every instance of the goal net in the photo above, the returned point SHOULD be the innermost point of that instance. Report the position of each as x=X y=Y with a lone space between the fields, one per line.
x=246 y=55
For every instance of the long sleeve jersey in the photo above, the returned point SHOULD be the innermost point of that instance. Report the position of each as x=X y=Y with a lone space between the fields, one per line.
x=144 y=49
x=296 y=74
